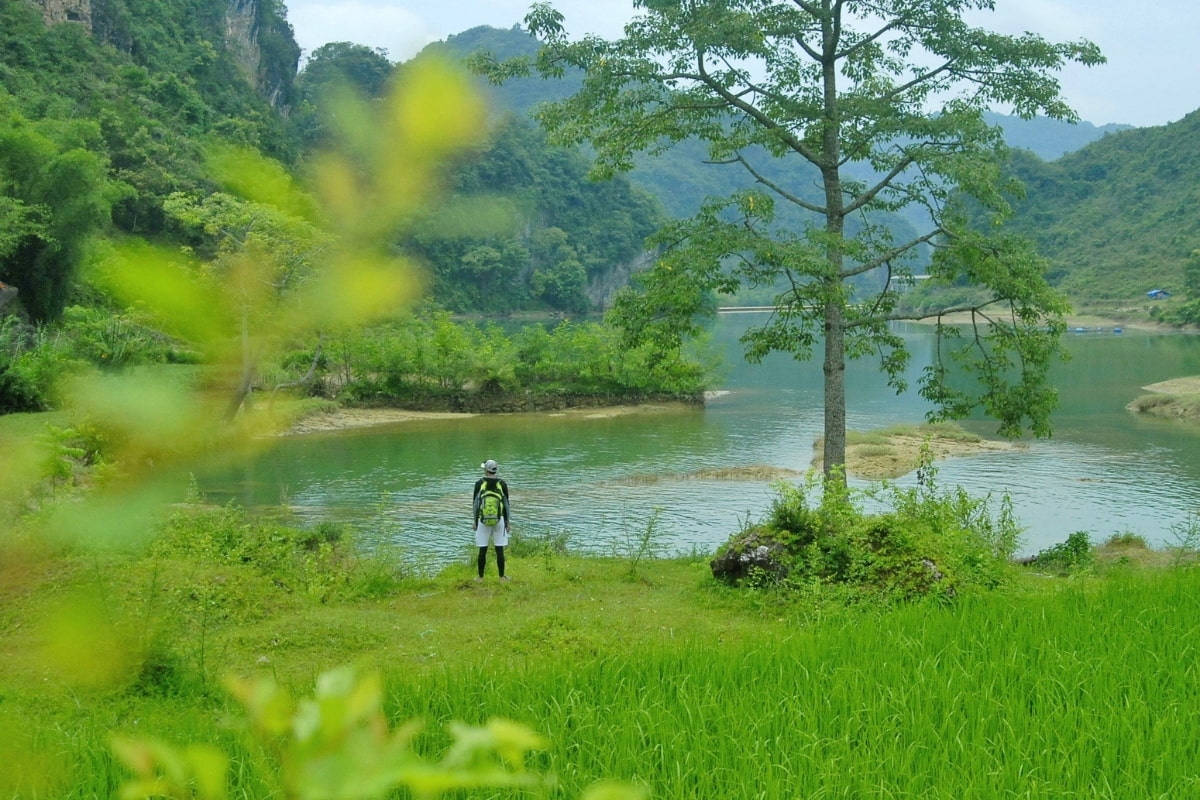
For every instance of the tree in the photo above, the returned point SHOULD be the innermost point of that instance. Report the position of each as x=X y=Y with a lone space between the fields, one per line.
x=54 y=199
x=365 y=69
x=334 y=68
x=899 y=85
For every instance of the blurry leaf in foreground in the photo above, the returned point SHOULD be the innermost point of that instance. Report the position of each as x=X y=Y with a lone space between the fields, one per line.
x=615 y=791
x=388 y=166
x=339 y=743
x=251 y=175
x=112 y=518
x=194 y=771
x=171 y=288
x=435 y=110
x=84 y=646
x=355 y=289
x=19 y=466
x=146 y=414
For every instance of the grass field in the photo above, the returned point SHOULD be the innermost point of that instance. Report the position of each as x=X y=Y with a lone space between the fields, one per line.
x=649 y=673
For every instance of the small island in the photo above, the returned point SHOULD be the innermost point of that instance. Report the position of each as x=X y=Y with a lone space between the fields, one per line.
x=897 y=450
x=1178 y=398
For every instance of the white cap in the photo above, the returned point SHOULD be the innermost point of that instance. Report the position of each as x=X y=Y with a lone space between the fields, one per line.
x=489 y=467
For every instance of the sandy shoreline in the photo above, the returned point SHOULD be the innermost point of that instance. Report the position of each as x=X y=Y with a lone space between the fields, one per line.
x=1188 y=385
x=343 y=418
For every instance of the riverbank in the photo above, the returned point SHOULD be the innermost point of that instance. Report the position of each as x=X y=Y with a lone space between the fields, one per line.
x=875 y=455
x=1084 y=321
x=335 y=418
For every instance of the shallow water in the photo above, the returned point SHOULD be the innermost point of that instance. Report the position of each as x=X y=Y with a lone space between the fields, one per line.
x=601 y=481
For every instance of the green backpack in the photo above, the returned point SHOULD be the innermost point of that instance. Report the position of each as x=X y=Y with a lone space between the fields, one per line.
x=491 y=504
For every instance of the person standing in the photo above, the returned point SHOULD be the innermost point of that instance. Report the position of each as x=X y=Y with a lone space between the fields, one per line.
x=490 y=502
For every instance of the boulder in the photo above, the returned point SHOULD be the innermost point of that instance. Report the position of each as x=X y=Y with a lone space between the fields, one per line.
x=751 y=553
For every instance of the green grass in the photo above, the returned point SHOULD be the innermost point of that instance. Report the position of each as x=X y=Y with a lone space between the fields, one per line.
x=1077 y=687
x=1076 y=693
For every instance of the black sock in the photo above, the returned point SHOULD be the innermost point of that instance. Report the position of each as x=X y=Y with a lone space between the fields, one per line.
x=482 y=561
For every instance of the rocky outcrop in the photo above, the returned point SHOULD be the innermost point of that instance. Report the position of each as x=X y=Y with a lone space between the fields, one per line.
x=601 y=288
x=241 y=36
x=7 y=295
x=57 y=11
x=247 y=26
x=754 y=556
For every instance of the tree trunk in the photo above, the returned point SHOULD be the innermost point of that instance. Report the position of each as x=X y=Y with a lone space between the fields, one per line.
x=246 y=381
x=834 y=467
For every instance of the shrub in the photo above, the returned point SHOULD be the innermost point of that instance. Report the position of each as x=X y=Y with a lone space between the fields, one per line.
x=32 y=360
x=1068 y=556
x=320 y=562
x=925 y=544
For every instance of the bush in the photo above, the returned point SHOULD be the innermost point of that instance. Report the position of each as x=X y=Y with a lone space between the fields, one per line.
x=1066 y=557
x=32 y=360
x=928 y=544
x=320 y=562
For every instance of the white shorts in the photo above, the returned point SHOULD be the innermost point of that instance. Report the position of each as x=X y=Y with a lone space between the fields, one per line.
x=498 y=534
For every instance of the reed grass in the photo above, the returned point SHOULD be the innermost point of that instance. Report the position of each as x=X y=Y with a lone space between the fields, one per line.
x=1083 y=692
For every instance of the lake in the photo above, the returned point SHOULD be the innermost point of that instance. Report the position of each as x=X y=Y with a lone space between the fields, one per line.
x=600 y=480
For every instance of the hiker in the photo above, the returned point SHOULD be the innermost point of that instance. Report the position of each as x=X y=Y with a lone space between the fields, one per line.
x=490 y=503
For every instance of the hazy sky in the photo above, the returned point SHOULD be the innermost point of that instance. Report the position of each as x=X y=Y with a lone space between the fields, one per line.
x=1152 y=76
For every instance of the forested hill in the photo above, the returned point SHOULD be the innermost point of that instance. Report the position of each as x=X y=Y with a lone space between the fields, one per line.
x=1118 y=217
x=1102 y=203
x=108 y=107
x=103 y=107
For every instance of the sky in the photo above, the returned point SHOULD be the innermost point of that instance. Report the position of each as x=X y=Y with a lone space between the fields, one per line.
x=1152 y=76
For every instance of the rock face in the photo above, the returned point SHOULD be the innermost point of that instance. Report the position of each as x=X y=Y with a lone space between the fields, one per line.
x=243 y=34
x=241 y=37
x=601 y=288
x=7 y=294
x=56 y=11
x=753 y=555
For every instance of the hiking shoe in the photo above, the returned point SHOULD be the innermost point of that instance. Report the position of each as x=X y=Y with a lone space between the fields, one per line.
x=504 y=578
x=479 y=579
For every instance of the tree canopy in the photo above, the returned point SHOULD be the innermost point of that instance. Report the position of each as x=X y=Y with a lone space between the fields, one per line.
x=898 y=85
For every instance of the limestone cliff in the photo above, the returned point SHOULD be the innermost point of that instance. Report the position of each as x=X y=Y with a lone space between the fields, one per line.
x=256 y=38
x=241 y=37
x=56 y=11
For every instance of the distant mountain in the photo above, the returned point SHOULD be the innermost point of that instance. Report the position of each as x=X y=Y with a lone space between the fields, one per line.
x=1119 y=216
x=1112 y=206
x=1049 y=138
x=515 y=96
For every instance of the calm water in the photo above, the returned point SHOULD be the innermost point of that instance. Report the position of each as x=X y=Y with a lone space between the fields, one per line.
x=600 y=480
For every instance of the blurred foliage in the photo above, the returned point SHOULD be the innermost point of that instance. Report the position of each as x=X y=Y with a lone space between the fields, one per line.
x=340 y=745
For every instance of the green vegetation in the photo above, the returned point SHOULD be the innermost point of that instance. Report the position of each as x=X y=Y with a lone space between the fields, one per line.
x=1025 y=683
x=153 y=144
x=1115 y=217
x=928 y=543
x=430 y=361
x=179 y=244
